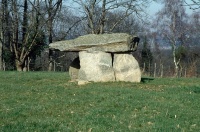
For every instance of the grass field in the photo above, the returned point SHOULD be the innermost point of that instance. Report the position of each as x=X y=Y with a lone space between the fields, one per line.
x=46 y=101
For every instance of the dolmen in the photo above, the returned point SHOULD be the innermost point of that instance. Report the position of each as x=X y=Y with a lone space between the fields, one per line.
x=102 y=58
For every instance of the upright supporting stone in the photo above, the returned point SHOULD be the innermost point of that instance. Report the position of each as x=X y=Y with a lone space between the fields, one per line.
x=74 y=69
x=126 y=68
x=95 y=66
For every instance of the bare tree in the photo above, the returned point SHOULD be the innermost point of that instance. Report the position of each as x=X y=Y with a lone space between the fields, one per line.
x=193 y=53
x=194 y=4
x=23 y=24
x=97 y=12
x=1 y=38
x=67 y=25
x=1 y=57
x=129 y=24
x=171 y=22
x=5 y=35
x=23 y=39
x=52 y=7
x=195 y=27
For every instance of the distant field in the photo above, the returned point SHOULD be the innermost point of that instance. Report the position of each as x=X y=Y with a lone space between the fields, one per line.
x=46 y=101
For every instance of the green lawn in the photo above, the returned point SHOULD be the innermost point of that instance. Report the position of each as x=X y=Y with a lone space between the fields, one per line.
x=46 y=101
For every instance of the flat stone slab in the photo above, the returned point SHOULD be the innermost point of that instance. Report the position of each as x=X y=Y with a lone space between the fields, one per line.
x=115 y=42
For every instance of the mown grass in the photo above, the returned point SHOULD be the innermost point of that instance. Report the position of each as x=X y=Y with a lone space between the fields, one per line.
x=46 y=101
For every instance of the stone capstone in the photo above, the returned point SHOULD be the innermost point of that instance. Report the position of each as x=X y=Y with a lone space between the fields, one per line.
x=96 y=67
x=126 y=68
x=115 y=42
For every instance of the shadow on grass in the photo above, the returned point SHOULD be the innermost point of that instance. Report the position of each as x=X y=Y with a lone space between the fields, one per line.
x=146 y=79
x=196 y=90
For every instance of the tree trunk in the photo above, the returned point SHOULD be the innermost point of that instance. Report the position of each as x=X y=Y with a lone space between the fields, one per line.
x=1 y=58
x=19 y=65
x=103 y=17
x=28 y=63
x=144 y=68
x=149 y=69
x=5 y=31
x=154 y=70
x=176 y=63
x=176 y=68
x=25 y=21
x=161 y=70
x=50 y=30
x=25 y=68
x=4 y=66
x=54 y=65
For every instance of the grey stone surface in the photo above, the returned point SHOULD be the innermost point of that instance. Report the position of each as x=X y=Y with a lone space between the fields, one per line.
x=95 y=63
x=96 y=67
x=115 y=42
x=126 y=68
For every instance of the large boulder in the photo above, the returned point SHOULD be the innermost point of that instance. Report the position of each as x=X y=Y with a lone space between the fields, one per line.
x=126 y=68
x=96 y=66
x=116 y=42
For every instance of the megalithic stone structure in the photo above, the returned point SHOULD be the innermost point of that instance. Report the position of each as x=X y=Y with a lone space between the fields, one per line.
x=102 y=58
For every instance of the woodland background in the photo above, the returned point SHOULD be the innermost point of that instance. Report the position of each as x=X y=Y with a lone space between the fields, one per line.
x=169 y=45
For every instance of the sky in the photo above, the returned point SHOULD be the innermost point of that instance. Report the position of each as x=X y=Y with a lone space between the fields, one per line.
x=155 y=7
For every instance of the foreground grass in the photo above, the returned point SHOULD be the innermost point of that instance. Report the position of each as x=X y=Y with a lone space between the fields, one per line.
x=42 y=101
